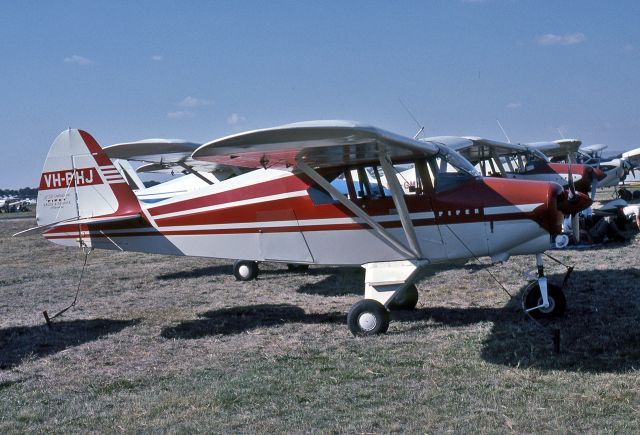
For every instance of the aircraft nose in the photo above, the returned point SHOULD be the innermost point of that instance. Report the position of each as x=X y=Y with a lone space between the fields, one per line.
x=551 y=217
x=571 y=203
x=559 y=204
x=598 y=173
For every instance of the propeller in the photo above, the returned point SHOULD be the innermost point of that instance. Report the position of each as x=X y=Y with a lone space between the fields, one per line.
x=575 y=220
x=629 y=167
x=575 y=227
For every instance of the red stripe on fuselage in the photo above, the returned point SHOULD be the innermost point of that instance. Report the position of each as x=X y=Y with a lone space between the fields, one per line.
x=258 y=190
x=463 y=204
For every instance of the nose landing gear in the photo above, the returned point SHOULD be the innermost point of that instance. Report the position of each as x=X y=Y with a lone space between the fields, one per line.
x=542 y=300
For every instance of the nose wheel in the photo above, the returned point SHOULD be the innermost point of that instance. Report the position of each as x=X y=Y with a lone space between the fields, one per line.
x=542 y=299
x=533 y=301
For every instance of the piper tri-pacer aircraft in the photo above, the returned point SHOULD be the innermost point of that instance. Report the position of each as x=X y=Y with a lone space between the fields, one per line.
x=287 y=210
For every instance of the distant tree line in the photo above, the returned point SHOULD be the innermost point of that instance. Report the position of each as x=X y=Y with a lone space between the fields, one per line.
x=32 y=192
x=25 y=192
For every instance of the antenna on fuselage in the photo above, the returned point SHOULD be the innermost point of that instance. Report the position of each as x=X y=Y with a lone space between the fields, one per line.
x=420 y=126
x=503 y=132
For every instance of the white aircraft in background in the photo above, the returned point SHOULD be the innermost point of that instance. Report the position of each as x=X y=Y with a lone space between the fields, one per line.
x=168 y=157
x=14 y=204
x=615 y=169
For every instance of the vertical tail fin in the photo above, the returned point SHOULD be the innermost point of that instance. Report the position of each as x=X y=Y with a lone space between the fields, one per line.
x=79 y=181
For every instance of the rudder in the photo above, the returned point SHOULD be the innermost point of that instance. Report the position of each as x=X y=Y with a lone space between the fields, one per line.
x=79 y=181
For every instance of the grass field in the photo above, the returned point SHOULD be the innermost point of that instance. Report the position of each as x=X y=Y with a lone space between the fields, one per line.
x=174 y=344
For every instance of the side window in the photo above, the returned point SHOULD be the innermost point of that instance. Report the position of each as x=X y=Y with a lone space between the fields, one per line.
x=354 y=183
x=368 y=183
x=320 y=196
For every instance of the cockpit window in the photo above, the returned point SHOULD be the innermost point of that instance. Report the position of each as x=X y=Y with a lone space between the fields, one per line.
x=539 y=155
x=448 y=169
x=354 y=183
x=523 y=161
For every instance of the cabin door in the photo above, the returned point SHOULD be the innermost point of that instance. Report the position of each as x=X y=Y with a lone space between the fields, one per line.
x=282 y=239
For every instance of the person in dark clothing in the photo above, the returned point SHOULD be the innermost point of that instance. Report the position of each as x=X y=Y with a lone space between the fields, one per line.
x=597 y=229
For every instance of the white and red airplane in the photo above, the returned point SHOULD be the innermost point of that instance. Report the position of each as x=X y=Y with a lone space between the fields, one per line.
x=287 y=210
x=614 y=169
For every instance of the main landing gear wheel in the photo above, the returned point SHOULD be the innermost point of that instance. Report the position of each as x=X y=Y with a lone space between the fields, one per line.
x=368 y=317
x=533 y=298
x=625 y=194
x=245 y=270
x=405 y=301
x=296 y=267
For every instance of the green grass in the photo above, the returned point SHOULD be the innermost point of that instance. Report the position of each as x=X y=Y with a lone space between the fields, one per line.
x=168 y=344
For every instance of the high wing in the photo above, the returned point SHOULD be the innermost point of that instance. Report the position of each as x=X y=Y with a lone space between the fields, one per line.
x=633 y=156
x=164 y=156
x=152 y=150
x=476 y=149
x=594 y=149
x=558 y=148
x=316 y=143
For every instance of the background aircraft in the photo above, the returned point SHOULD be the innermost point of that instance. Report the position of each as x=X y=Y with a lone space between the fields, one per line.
x=615 y=169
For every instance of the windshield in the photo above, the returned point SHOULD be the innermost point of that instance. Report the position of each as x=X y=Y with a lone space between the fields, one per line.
x=457 y=161
x=533 y=156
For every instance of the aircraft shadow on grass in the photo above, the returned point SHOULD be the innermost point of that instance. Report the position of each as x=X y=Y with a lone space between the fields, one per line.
x=221 y=269
x=229 y=321
x=21 y=343
x=339 y=282
x=227 y=269
x=600 y=331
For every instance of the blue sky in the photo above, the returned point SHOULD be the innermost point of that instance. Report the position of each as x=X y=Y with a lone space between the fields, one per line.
x=203 y=69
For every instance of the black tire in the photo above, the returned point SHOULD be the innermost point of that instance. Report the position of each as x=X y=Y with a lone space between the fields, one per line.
x=405 y=301
x=625 y=194
x=245 y=270
x=296 y=267
x=557 y=301
x=368 y=317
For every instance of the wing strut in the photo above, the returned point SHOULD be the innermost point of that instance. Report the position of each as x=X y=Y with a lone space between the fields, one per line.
x=401 y=205
x=190 y=170
x=379 y=229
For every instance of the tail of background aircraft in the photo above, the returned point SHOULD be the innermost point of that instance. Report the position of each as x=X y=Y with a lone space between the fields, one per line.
x=79 y=181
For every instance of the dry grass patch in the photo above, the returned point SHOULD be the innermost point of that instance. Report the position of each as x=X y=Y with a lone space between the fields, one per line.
x=160 y=343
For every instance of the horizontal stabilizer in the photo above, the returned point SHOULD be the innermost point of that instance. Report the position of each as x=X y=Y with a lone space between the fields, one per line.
x=80 y=221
